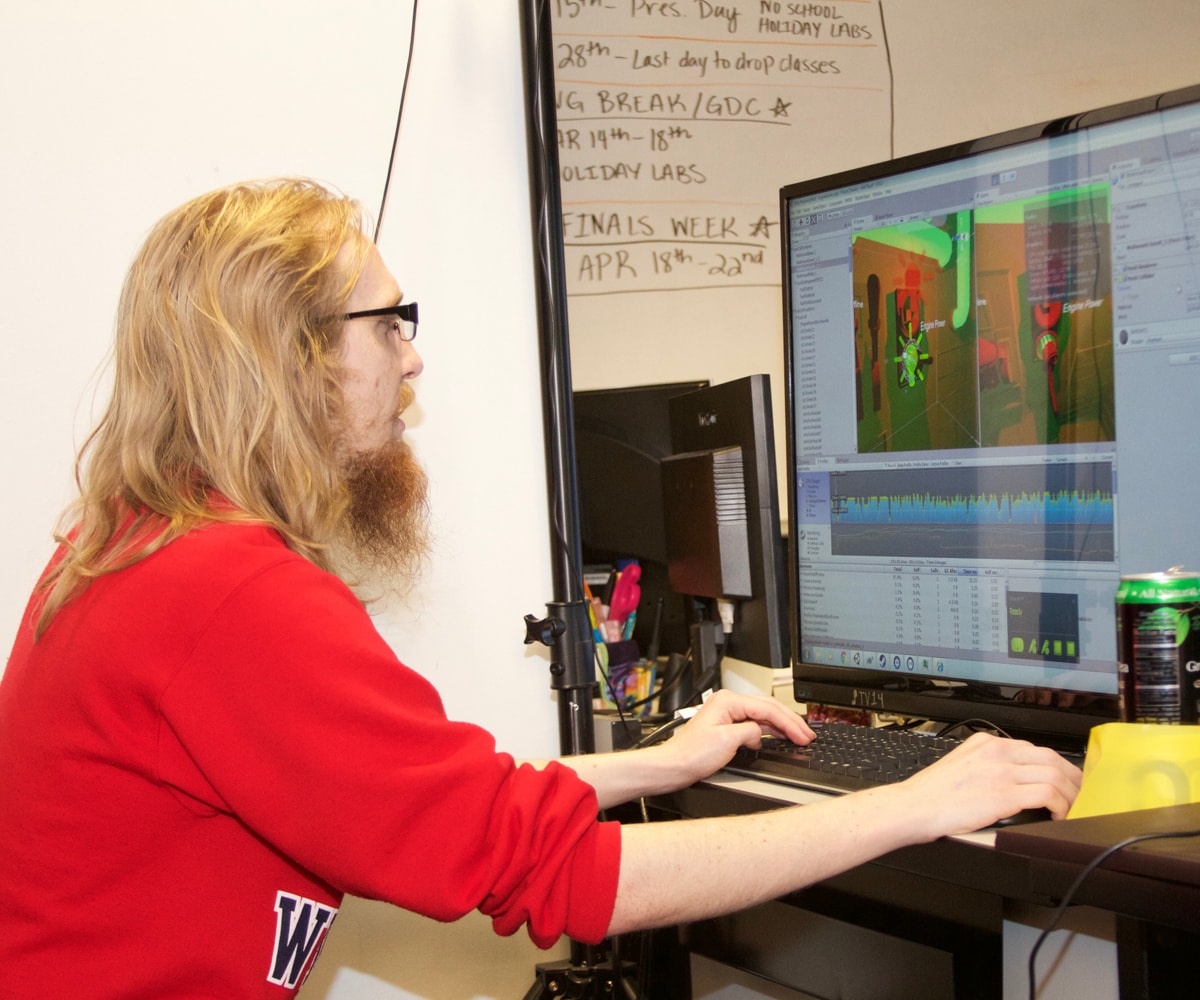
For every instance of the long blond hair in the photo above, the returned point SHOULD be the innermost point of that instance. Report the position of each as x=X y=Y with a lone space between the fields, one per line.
x=225 y=383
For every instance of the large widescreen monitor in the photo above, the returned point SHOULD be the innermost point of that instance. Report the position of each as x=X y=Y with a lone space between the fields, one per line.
x=993 y=365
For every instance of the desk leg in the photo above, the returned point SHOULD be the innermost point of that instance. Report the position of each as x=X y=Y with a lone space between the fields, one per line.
x=666 y=963
x=1156 y=962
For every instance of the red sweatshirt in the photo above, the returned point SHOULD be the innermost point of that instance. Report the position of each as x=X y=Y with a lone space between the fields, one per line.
x=206 y=750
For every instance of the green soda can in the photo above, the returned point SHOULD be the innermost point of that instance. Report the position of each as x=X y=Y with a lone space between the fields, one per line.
x=1158 y=647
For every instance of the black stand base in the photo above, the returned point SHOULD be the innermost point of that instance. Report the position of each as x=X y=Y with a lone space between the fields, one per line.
x=568 y=980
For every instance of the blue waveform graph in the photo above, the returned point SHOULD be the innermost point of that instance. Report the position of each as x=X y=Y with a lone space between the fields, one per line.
x=1022 y=508
x=1064 y=513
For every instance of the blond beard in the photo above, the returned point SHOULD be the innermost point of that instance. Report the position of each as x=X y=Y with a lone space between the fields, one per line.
x=385 y=535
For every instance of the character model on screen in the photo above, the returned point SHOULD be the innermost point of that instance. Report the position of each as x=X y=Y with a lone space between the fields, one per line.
x=910 y=331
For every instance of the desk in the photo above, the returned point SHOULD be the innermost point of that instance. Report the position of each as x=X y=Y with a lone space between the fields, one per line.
x=929 y=920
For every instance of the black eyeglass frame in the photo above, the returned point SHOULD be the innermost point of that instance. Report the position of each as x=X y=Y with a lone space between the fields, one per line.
x=406 y=312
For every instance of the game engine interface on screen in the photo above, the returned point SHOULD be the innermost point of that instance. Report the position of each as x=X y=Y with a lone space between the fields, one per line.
x=993 y=364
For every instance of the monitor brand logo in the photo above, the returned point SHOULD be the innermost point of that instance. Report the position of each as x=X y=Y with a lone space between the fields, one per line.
x=868 y=699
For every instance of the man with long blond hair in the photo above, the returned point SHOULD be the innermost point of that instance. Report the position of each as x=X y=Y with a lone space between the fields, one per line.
x=204 y=742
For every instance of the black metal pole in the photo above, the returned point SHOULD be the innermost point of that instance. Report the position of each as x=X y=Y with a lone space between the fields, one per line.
x=572 y=668
x=567 y=628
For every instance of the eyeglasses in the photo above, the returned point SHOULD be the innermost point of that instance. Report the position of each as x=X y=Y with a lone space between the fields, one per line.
x=405 y=315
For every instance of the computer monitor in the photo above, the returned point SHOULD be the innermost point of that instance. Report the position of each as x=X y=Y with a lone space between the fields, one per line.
x=627 y=439
x=622 y=436
x=993 y=387
x=724 y=538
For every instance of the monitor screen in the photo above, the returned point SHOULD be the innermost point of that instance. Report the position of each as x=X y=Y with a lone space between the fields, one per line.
x=993 y=357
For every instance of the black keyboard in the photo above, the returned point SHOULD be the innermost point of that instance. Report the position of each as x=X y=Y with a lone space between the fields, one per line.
x=844 y=757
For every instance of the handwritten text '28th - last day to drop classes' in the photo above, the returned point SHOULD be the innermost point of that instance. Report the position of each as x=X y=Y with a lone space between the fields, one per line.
x=668 y=141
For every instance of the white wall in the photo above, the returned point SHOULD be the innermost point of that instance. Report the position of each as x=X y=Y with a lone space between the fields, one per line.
x=111 y=114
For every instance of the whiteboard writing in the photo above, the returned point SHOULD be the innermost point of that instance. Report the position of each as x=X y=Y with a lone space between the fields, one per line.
x=679 y=121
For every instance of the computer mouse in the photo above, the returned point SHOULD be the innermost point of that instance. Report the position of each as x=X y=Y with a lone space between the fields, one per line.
x=1025 y=816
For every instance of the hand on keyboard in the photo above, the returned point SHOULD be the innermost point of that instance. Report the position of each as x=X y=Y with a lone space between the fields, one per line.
x=727 y=722
x=989 y=778
x=989 y=774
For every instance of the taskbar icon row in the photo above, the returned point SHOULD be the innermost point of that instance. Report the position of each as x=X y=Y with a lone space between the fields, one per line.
x=840 y=656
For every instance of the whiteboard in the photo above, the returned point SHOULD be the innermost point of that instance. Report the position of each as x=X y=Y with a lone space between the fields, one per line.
x=680 y=120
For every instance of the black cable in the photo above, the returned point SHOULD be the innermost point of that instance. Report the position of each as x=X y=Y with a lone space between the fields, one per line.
x=387 y=180
x=887 y=48
x=976 y=726
x=613 y=694
x=1091 y=866
x=661 y=733
x=703 y=684
x=666 y=687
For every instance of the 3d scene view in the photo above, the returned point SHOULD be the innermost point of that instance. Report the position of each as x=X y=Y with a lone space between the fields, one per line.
x=986 y=328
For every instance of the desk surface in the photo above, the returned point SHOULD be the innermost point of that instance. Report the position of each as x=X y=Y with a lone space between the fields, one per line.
x=1079 y=841
x=1158 y=881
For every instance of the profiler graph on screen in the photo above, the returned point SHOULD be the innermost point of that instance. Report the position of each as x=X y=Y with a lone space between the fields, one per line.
x=1055 y=513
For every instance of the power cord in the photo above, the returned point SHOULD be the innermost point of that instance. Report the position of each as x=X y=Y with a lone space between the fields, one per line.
x=387 y=180
x=1091 y=866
